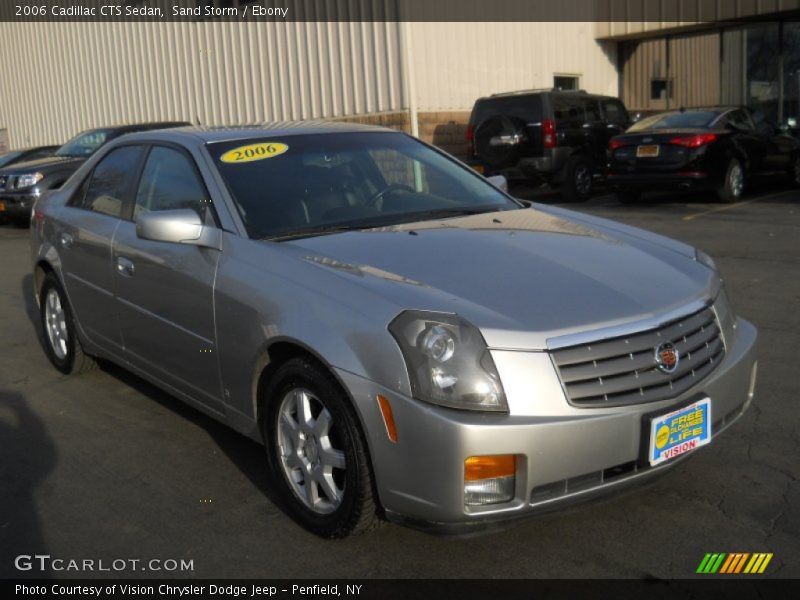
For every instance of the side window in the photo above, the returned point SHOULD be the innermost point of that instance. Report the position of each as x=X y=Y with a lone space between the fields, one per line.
x=104 y=191
x=569 y=112
x=740 y=120
x=615 y=113
x=169 y=181
x=592 y=108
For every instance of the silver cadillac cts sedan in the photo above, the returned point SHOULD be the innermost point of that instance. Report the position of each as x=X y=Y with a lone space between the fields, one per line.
x=406 y=339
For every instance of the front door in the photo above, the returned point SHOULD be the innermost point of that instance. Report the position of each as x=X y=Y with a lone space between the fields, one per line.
x=165 y=291
x=87 y=225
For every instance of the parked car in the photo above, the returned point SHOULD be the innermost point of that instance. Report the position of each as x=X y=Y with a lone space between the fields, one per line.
x=22 y=183
x=556 y=136
x=405 y=338
x=24 y=154
x=718 y=148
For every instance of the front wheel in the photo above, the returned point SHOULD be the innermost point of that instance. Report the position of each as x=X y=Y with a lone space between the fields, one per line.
x=61 y=344
x=578 y=180
x=316 y=452
x=733 y=186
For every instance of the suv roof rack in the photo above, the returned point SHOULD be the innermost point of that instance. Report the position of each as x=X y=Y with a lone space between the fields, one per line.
x=536 y=90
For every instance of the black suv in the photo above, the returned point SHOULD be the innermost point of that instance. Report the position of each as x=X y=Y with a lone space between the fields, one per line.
x=559 y=136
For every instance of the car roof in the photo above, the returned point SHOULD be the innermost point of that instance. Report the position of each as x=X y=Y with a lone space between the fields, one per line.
x=536 y=92
x=213 y=134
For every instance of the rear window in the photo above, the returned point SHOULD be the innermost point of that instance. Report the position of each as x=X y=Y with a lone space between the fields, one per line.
x=677 y=120
x=527 y=108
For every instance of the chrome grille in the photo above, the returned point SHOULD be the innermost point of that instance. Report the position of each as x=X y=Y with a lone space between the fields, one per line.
x=623 y=370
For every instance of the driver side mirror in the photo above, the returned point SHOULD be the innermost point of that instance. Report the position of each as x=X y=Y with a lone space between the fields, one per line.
x=499 y=181
x=181 y=226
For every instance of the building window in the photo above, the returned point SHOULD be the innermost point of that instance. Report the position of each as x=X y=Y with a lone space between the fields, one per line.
x=566 y=82
x=658 y=88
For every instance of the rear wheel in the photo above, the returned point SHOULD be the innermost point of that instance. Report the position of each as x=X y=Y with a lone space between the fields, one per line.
x=732 y=187
x=577 y=185
x=61 y=343
x=317 y=453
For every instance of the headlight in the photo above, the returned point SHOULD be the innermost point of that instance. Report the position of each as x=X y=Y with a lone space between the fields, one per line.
x=704 y=259
x=28 y=180
x=448 y=362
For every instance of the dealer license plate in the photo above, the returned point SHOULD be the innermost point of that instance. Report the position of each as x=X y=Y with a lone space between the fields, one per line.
x=647 y=151
x=680 y=431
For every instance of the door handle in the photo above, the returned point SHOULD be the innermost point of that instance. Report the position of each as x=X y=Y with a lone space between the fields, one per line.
x=125 y=267
x=66 y=240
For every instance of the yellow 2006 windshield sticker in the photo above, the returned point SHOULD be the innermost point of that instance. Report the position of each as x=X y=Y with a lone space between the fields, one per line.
x=253 y=152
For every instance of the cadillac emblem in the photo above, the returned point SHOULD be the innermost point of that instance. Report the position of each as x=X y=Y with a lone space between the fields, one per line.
x=667 y=357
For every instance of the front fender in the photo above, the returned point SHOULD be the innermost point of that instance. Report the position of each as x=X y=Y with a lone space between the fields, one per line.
x=258 y=305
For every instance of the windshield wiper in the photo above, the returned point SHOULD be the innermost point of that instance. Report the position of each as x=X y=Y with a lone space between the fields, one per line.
x=385 y=221
x=438 y=213
x=313 y=232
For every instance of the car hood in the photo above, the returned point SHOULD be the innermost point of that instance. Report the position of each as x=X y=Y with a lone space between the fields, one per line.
x=44 y=165
x=524 y=277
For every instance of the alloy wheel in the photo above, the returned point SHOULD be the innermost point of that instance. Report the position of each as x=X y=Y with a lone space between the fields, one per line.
x=736 y=180
x=56 y=324
x=311 y=462
x=583 y=180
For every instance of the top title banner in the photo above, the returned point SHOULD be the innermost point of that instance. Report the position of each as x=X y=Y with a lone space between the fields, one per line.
x=664 y=11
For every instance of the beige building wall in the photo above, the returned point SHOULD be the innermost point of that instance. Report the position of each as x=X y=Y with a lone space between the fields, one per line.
x=636 y=18
x=81 y=75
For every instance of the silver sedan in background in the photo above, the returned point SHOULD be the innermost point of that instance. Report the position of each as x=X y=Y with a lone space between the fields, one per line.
x=406 y=339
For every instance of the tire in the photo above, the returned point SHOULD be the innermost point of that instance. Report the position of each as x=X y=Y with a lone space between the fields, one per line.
x=21 y=222
x=577 y=185
x=732 y=187
x=61 y=343
x=629 y=197
x=339 y=500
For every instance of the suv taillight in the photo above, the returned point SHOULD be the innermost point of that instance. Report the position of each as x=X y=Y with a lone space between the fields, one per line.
x=470 y=137
x=549 y=133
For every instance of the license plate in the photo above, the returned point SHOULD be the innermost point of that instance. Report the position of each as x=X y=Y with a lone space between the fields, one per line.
x=647 y=151
x=2 y=206
x=478 y=168
x=680 y=431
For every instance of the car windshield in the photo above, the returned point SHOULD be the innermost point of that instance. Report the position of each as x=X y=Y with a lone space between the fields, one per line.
x=677 y=120
x=84 y=144
x=304 y=185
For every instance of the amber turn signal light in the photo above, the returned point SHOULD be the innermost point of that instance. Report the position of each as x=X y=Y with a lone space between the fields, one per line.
x=490 y=466
x=388 y=418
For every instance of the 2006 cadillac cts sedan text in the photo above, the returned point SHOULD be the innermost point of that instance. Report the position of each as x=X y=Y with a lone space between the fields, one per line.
x=407 y=340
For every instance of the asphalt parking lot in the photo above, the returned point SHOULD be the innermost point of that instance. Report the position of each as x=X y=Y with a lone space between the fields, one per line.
x=105 y=466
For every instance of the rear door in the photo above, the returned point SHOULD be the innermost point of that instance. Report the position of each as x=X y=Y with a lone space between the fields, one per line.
x=165 y=291
x=87 y=225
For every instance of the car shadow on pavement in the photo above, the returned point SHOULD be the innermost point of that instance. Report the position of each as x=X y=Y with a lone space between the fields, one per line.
x=29 y=455
x=247 y=455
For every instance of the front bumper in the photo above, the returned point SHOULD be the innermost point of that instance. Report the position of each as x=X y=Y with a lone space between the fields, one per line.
x=564 y=454
x=16 y=206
